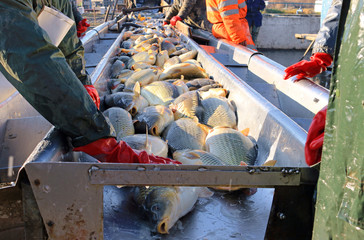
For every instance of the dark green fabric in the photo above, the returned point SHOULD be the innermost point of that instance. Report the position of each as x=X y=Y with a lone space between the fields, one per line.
x=340 y=201
x=49 y=78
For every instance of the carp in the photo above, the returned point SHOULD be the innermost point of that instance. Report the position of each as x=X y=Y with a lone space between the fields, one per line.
x=121 y=121
x=188 y=55
x=188 y=70
x=116 y=68
x=231 y=146
x=143 y=77
x=165 y=205
x=218 y=112
x=185 y=133
x=187 y=105
x=160 y=93
x=197 y=157
x=151 y=144
x=156 y=118
x=132 y=102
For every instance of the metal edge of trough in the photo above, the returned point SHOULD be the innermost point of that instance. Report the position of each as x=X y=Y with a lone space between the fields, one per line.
x=310 y=95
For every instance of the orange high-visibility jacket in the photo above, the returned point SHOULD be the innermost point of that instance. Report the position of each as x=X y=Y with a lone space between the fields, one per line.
x=228 y=17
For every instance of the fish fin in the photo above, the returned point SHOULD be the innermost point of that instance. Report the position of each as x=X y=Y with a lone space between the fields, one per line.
x=205 y=193
x=193 y=155
x=245 y=132
x=269 y=163
x=146 y=137
x=204 y=127
x=136 y=89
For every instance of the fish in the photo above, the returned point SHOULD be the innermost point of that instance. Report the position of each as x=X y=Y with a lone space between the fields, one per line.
x=185 y=133
x=188 y=55
x=171 y=61
x=187 y=105
x=146 y=57
x=165 y=205
x=179 y=52
x=231 y=146
x=198 y=83
x=127 y=35
x=144 y=77
x=116 y=68
x=157 y=118
x=218 y=112
x=124 y=75
x=214 y=93
x=162 y=58
x=128 y=44
x=160 y=93
x=197 y=157
x=188 y=70
x=132 y=102
x=141 y=65
x=194 y=61
x=167 y=45
x=124 y=59
x=121 y=121
x=114 y=85
x=151 y=144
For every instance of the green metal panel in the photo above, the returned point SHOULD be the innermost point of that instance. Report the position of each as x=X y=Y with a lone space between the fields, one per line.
x=340 y=202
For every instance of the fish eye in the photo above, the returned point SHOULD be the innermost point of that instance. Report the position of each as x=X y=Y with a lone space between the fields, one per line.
x=155 y=208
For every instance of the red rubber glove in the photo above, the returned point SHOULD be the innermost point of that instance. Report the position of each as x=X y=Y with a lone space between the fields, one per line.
x=317 y=64
x=165 y=23
x=111 y=151
x=175 y=19
x=93 y=94
x=315 y=138
x=82 y=27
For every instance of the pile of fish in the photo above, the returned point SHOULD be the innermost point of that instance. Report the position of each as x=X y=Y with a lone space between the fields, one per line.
x=162 y=100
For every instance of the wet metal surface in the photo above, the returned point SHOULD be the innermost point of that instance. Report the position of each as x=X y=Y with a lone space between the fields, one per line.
x=225 y=215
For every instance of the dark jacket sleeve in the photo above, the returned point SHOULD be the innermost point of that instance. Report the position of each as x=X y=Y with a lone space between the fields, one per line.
x=326 y=37
x=173 y=11
x=77 y=15
x=187 y=6
x=41 y=74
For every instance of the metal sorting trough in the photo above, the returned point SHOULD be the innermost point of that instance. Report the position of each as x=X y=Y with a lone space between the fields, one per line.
x=74 y=197
x=299 y=100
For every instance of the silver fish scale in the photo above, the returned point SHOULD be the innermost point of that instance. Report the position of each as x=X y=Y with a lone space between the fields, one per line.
x=188 y=105
x=185 y=134
x=217 y=112
x=121 y=121
x=160 y=93
x=232 y=148
x=210 y=159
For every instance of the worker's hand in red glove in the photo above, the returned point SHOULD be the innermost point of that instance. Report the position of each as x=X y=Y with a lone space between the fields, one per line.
x=82 y=27
x=165 y=23
x=93 y=94
x=175 y=19
x=111 y=151
x=315 y=138
x=317 y=64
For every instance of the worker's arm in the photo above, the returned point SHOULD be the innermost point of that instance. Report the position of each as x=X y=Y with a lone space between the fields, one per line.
x=186 y=8
x=72 y=47
x=229 y=12
x=173 y=11
x=40 y=72
x=326 y=37
x=323 y=48
x=76 y=14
